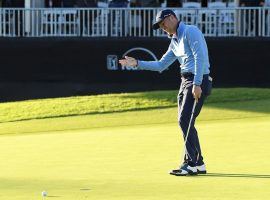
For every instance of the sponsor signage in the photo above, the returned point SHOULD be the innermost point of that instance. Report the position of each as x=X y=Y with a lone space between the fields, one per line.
x=112 y=60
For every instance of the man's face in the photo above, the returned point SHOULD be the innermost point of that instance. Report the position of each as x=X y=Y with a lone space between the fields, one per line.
x=167 y=25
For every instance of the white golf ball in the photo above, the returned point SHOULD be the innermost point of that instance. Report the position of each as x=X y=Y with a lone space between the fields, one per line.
x=44 y=193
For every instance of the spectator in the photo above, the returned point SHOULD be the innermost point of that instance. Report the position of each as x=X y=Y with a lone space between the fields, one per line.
x=8 y=14
x=118 y=3
x=86 y=21
x=117 y=18
x=68 y=3
x=148 y=15
x=6 y=3
x=14 y=17
x=204 y=3
x=251 y=3
x=149 y=3
x=267 y=18
x=134 y=3
x=254 y=16
x=86 y=3
x=13 y=3
x=18 y=3
x=173 y=3
x=53 y=3
x=266 y=3
x=69 y=17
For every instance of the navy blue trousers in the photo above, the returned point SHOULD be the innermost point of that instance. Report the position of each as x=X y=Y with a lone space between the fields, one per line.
x=193 y=154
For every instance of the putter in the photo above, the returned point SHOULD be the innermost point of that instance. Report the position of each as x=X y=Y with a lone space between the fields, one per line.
x=185 y=152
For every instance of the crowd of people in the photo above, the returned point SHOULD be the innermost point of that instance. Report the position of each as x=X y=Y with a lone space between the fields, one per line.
x=128 y=3
x=147 y=3
x=112 y=3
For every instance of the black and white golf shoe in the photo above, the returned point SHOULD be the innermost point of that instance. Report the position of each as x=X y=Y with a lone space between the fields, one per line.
x=184 y=170
x=201 y=169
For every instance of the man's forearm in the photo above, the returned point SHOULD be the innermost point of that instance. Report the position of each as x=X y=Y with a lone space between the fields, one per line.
x=149 y=65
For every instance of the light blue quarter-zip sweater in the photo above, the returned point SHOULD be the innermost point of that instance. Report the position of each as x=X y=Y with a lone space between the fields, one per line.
x=190 y=48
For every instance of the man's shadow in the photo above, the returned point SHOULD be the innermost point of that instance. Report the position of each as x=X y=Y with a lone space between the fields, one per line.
x=235 y=175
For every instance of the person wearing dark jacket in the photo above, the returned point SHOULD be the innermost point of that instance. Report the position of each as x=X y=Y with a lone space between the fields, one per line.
x=14 y=16
x=147 y=16
x=118 y=3
x=87 y=17
x=86 y=3
x=251 y=3
x=68 y=3
x=13 y=3
x=116 y=18
x=53 y=3
x=251 y=19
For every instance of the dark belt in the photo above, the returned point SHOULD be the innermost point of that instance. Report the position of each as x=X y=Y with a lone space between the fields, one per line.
x=189 y=74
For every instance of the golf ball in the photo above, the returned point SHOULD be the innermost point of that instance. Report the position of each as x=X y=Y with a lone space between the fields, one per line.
x=44 y=193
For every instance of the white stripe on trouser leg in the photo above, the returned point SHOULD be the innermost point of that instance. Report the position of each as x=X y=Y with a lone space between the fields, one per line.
x=185 y=141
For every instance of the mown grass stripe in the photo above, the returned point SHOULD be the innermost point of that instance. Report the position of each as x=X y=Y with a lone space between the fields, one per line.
x=110 y=103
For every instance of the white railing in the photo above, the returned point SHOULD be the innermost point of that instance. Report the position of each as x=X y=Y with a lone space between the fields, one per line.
x=129 y=22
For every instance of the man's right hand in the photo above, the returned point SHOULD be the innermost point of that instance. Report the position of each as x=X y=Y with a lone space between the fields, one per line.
x=128 y=62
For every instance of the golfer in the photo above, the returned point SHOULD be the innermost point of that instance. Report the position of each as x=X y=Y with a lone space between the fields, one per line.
x=189 y=47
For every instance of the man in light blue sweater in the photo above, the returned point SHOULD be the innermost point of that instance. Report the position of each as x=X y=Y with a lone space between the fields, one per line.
x=188 y=46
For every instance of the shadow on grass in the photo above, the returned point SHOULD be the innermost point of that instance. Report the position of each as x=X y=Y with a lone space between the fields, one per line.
x=85 y=189
x=88 y=113
x=236 y=175
x=259 y=106
x=239 y=99
x=242 y=99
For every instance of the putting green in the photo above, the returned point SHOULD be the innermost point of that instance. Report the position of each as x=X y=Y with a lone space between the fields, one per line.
x=132 y=162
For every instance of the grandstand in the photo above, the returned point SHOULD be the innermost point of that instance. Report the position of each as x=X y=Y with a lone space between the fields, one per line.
x=39 y=18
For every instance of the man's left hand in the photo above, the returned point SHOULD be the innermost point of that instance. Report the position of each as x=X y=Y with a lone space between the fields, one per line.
x=197 y=92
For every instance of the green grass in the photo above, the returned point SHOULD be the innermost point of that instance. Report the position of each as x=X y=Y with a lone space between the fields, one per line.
x=74 y=106
x=131 y=162
x=126 y=155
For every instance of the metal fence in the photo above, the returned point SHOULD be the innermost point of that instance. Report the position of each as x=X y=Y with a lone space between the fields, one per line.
x=129 y=22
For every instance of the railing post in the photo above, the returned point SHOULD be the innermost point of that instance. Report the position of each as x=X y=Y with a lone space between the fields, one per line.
x=260 y=22
x=217 y=24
